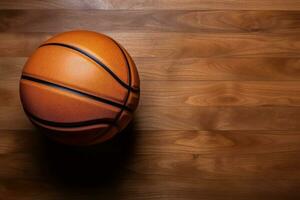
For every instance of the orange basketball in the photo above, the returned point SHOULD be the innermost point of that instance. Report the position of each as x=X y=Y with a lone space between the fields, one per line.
x=80 y=87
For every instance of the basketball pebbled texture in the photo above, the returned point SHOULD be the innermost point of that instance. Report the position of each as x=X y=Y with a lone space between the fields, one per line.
x=80 y=87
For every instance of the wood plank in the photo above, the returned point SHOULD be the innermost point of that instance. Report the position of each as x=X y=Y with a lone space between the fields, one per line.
x=179 y=93
x=193 y=69
x=153 y=187
x=173 y=45
x=201 y=143
x=154 y=5
x=217 y=118
x=194 y=93
x=216 y=68
x=220 y=93
x=196 y=143
x=279 y=22
x=188 y=118
x=236 y=164
x=193 y=167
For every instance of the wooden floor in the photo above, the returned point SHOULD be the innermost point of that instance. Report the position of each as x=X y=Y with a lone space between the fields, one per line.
x=219 y=116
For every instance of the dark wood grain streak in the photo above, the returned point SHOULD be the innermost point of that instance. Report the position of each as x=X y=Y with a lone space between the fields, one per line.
x=284 y=22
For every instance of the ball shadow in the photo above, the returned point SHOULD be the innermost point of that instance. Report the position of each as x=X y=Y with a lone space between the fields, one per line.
x=87 y=166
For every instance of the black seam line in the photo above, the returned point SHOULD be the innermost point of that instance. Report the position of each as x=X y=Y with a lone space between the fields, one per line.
x=95 y=60
x=114 y=123
x=69 y=124
x=60 y=87
x=129 y=80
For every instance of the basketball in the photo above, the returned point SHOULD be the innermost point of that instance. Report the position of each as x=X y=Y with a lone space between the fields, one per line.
x=80 y=88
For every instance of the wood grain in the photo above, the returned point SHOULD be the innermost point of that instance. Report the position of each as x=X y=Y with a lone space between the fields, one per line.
x=218 y=118
x=228 y=162
x=151 y=21
x=173 y=45
x=189 y=118
x=195 y=69
x=219 y=112
x=198 y=143
x=220 y=93
x=219 y=68
x=240 y=147
x=154 y=4
x=194 y=93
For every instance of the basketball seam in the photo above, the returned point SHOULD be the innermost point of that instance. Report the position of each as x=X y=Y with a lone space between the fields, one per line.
x=74 y=91
x=106 y=68
x=114 y=123
x=129 y=80
x=68 y=124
